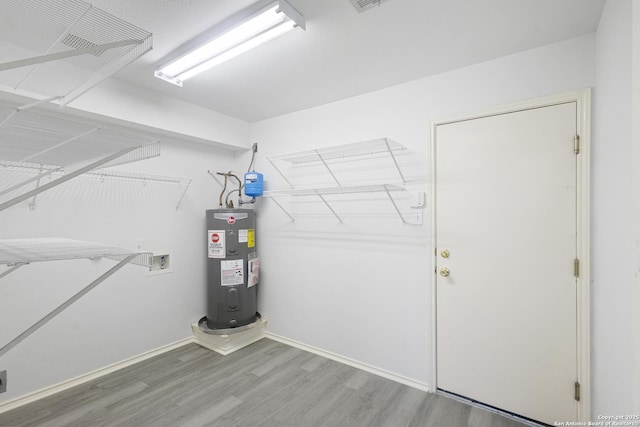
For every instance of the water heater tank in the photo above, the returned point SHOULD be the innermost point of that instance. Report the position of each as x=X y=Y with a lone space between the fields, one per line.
x=232 y=268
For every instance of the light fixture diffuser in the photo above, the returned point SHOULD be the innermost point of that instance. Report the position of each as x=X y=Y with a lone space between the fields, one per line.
x=264 y=21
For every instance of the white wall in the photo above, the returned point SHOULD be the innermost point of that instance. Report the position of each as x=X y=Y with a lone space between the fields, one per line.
x=131 y=312
x=612 y=220
x=361 y=289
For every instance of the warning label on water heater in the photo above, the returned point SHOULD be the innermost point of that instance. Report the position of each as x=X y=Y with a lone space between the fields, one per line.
x=232 y=272
x=215 y=245
x=248 y=237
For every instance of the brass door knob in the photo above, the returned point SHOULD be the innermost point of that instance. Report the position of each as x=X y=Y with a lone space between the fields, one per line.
x=445 y=253
x=444 y=272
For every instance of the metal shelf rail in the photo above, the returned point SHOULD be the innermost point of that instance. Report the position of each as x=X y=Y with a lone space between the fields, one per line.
x=16 y=253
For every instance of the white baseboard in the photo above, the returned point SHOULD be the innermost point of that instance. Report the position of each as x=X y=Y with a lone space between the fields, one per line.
x=65 y=385
x=351 y=362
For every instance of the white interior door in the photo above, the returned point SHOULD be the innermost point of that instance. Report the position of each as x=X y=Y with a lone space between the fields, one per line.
x=505 y=209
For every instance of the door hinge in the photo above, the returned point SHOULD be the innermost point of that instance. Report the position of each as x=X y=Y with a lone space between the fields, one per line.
x=576 y=267
x=576 y=395
x=576 y=144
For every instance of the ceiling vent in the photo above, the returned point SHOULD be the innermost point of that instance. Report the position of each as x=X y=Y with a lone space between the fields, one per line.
x=362 y=5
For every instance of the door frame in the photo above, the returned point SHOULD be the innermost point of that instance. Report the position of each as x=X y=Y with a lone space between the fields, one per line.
x=583 y=122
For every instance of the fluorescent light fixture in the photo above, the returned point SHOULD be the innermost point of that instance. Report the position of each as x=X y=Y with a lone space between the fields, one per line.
x=264 y=21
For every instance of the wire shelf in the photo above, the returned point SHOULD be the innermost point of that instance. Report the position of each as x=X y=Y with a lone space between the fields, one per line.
x=26 y=251
x=16 y=176
x=335 y=190
x=356 y=149
x=42 y=137
x=15 y=253
x=328 y=162
x=34 y=139
x=101 y=174
x=64 y=47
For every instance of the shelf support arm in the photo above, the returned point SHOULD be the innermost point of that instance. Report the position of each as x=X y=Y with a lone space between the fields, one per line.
x=327 y=167
x=393 y=202
x=13 y=268
x=40 y=323
x=32 y=205
x=25 y=107
x=65 y=178
x=66 y=54
x=328 y=205
x=282 y=208
x=30 y=180
x=395 y=162
x=280 y=172
x=183 y=194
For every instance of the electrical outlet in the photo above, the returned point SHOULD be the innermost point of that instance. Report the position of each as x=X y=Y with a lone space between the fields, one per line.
x=3 y=381
x=160 y=263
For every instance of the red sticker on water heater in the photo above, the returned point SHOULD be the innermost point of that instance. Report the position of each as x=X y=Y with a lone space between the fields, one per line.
x=216 y=243
x=231 y=220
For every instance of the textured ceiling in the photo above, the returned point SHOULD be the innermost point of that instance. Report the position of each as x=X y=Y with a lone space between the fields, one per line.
x=344 y=53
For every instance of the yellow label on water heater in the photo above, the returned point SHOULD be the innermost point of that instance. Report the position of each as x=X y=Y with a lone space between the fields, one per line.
x=251 y=238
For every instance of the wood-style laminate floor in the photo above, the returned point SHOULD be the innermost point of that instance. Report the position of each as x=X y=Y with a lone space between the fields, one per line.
x=264 y=384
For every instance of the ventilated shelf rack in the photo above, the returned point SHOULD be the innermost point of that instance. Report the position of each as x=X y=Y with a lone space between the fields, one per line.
x=52 y=144
x=16 y=253
x=326 y=156
x=36 y=172
x=327 y=159
x=59 y=49
x=322 y=192
x=181 y=183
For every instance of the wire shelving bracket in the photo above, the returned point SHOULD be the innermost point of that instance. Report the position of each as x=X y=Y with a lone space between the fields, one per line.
x=15 y=253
